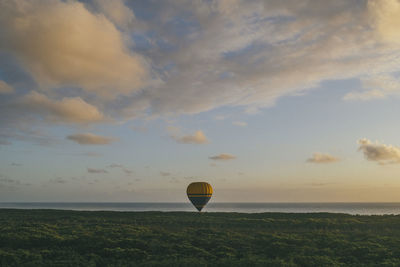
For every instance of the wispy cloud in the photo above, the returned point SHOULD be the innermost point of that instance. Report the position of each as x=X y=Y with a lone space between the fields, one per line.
x=375 y=88
x=127 y=171
x=91 y=154
x=10 y=184
x=322 y=158
x=92 y=170
x=365 y=95
x=223 y=157
x=380 y=153
x=58 y=180
x=115 y=165
x=318 y=184
x=137 y=128
x=247 y=54
x=162 y=173
x=239 y=123
x=8 y=180
x=122 y=167
x=5 y=88
x=90 y=139
x=220 y=117
x=198 y=137
x=5 y=143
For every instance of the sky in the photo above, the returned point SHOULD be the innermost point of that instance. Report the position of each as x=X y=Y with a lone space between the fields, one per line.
x=268 y=101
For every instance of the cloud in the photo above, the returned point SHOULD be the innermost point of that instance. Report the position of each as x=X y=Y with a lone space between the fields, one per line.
x=186 y=57
x=262 y=50
x=318 y=184
x=380 y=153
x=386 y=19
x=223 y=157
x=114 y=165
x=91 y=170
x=174 y=180
x=116 y=11
x=127 y=171
x=5 y=88
x=16 y=164
x=58 y=180
x=220 y=117
x=122 y=167
x=90 y=139
x=8 y=180
x=165 y=173
x=66 y=110
x=364 y=96
x=197 y=137
x=9 y=184
x=4 y=143
x=322 y=158
x=91 y=154
x=142 y=129
x=63 y=44
x=239 y=123
x=376 y=87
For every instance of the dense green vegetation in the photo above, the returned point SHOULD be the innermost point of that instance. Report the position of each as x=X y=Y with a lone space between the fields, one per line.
x=73 y=238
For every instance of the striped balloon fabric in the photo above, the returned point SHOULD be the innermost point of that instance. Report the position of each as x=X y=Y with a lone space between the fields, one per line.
x=199 y=193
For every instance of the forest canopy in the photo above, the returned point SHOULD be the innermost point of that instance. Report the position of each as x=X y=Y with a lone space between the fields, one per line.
x=83 y=238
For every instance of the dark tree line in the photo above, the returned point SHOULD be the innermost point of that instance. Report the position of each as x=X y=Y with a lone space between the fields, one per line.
x=72 y=238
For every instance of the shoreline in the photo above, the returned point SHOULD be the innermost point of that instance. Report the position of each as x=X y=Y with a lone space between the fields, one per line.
x=212 y=213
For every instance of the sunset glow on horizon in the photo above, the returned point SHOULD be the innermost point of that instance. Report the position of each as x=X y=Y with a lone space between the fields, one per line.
x=268 y=101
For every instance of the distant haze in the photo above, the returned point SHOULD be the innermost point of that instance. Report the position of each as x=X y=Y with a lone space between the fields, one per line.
x=268 y=101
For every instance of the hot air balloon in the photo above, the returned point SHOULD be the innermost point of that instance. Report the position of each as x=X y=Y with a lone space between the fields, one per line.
x=199 y=193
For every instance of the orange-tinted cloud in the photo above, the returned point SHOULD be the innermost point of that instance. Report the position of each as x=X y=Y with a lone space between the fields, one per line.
x=66 y=110
x=61 y=43
x=322 y=158
x=223 y=157
x=90 y=139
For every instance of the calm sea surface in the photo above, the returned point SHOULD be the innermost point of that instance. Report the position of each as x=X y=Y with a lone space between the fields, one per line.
x=349 y=208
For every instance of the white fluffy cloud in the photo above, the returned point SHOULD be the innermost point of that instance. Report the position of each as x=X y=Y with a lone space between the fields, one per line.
x=380 y=153
x=322 y=158
x=90 y=139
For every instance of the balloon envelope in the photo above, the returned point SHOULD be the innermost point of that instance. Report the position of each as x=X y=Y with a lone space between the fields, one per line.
x=199 y=193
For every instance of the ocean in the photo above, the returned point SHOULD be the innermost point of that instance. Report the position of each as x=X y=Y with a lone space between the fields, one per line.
x=348 y=208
